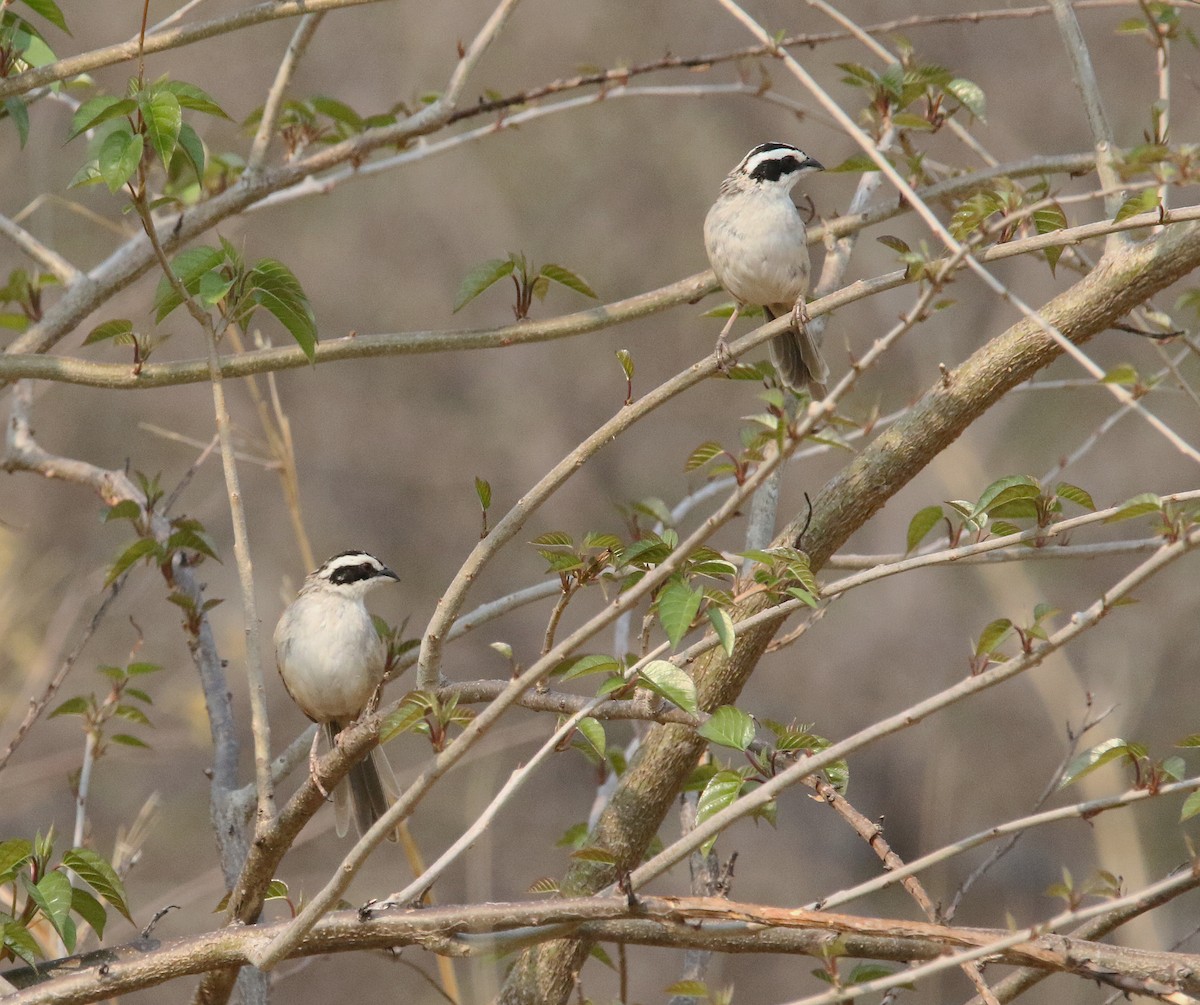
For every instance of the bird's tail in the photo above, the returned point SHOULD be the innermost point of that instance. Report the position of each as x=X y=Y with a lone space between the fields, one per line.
x=369 y=789
x=796 y=357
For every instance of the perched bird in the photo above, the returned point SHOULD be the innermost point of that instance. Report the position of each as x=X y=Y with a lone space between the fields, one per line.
x=757 y=246
x=332 y=660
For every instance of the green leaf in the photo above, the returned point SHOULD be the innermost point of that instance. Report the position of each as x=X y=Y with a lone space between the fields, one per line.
x=126 y=509
x=53 y=895
x=14 y=853
x=1139 y=505
x=593 y=734
x=100 y=876
x=279 y=292
x=723 y=625
x=1047 y=220
x=707 y=451
x=20 y=943
x=190 y=540
x=213 y=288
x=143 y=547
x=49 y=10
x=1006 y=490
x=582 y=666
x=194 y=98
x=921 y=524
x=19 y=113
x=189 y=266
x=89 y=909
x=668 y=680
x=192 y=148
x=109 y=329
x=894 y=243
x=72 y=706
x=722 y=789
x=970 y=96
x=1073 y=493
x=729 y=726
x=567 y=278
x=480 y=278
x=96 y=111
x=857 y=163
x=1122 y=373
x=129 y=741
x=1099 y=755
x=1191 y=806
x=991 y=637
x=119 y=156
x=678 y=604
x=484 y=491
x=625 y=358
x=1143 y=202
x=163 y=117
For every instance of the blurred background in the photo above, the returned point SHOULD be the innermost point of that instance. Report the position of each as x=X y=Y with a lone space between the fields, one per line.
x=388 y=449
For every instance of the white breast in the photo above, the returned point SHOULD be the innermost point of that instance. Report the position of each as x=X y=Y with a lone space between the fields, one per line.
x=756 y=244
x=330 y=656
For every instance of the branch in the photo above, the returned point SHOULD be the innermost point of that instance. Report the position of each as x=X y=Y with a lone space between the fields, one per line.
x=1089 y=91
x=481 y=930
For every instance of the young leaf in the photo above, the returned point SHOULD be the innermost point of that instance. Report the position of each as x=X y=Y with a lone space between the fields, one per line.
x=100 y=876
x=1006 y=490
x=567 y=278
x=14 y=853
x=119 y=156
x=729 y=727
x=723 y=625
x=593 y=734
x=1139 y=505
x=707 y=451
x=923 y=521
x=110 y=329
x=480 y=278
x=1101 y=754
x=95 y=111
x=279 y=292
x=163 y=117
x=484 y=491
x=678 y=605
x=189 y=266
x=143 y=547
x=970 y=96
x=582 y=666
x=89 y=909
x=625 y=358
x=194 y=98
x=1143 y=202
x=668 y=680
x=1191 y=806
x=1073 y=493
x=722 y=789
x=192 y=149
x=991 y=637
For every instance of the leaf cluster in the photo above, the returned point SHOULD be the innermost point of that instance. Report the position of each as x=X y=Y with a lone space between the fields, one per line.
x=22 y=47
x=135 y=130
x=123 y=701
x=529 y=280
x=218 y=277
x=43 y=893
x=1014 y=497
x=187 y=537
x=913 y=95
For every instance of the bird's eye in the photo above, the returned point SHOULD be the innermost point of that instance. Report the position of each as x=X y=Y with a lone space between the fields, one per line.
x=352 y=573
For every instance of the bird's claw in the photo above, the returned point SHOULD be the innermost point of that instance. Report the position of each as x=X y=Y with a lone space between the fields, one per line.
x=725 y=359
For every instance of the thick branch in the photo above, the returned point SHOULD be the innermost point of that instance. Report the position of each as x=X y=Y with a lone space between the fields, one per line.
x=649 y=787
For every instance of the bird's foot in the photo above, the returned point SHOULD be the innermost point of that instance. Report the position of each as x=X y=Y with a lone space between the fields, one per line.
x=312 y=766
x=800 y=316
x=725 y=359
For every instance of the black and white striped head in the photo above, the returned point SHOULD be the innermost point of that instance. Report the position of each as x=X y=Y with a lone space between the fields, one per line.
x=350 y=574
x=770 y=166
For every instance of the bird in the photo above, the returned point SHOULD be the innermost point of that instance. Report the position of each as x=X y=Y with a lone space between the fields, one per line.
x=332 y=660
x=757 y=246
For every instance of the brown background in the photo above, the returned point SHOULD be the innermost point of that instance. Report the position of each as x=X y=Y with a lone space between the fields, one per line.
x=388 y=450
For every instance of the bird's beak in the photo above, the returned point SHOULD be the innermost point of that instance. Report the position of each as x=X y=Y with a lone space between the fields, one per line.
x=812 y=163
x=388 y=572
